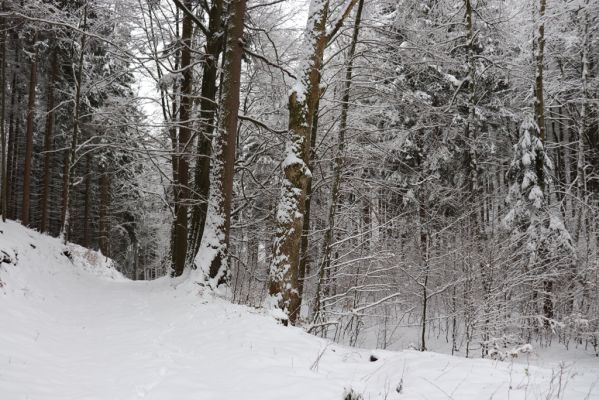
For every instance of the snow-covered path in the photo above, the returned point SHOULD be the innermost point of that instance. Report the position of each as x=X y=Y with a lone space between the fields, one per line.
x=75 y=329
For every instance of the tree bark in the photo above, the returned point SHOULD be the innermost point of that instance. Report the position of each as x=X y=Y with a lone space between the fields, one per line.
x=104 y=226
x=3 y=174
x=470 y=129
x=304 y=265
x=183 y=146
x=48 y=143
x=13 y=136
x=292 y=204
x=29 y=140
x=580 y=159
x=87 y=204
x=212 y=257
x=291 y=211
x=208 y=108
x=424 y=254
x=539 y=105
x=70 y=156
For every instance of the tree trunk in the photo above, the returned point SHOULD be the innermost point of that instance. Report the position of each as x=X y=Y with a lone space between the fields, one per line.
x=208 y=108
x=212 y=257
x=283 y=276
x=70 y=157
x=566 y=135
x=13 y=139
x=3 y=174
x=539 y=105
x=424 y=255
x=291 y=209
x=29 y=140
x=183 y=147
x=104 y=228
x=470 y=129
x=175 y=109
x=304 y=265
x=539 y=108
x=580 y=160
x=48 y=145
x=65 y=185
x=87 y=204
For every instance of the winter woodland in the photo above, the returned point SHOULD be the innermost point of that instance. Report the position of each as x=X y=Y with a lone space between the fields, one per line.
x=357 y=167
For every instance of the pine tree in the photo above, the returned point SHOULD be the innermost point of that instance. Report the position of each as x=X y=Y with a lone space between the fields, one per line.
x=537 y=228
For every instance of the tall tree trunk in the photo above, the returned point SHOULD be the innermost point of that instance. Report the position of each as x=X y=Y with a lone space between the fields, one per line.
x=292 y=204
x=135 y=245
x=3 y=174
x=339 y=162
x=212 y=257
x=175 y=156
x=65 y=187
x=70 y=157
x=29 y=139
x=539 y=104
x=208 y=108
x=48 y=145
x=424 y=255
x=13 y=138
x=104 y=225
x=184 y=143
x=566 y=135
x=284 y=269
x=304 y=265
x=88 y=202
x=470 y=128
x=539 y=108
x=580 y=160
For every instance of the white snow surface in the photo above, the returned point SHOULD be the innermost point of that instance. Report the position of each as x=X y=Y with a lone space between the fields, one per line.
x=77 y=329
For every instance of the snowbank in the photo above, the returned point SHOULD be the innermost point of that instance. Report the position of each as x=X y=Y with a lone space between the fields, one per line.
x=71 y=327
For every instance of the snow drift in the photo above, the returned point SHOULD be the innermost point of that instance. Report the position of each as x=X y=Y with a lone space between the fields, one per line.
x=72 y=327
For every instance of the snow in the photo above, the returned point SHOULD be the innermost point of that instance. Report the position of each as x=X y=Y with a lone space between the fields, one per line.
x=74 y=328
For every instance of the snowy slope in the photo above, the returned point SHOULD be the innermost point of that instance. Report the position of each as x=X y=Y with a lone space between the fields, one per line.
x=74 y=328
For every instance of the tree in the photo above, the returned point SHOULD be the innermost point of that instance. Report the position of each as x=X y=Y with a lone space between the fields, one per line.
x=48 y=138
x=179 y=248
x=212 y=256
x=71 y=152
x=303 y=103
x=3 y=175
x=537 y=228
x=339 y=161
x=29 y=134
x=208 y=108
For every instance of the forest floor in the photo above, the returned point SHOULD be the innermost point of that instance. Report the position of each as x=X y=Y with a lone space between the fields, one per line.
x=71 y=327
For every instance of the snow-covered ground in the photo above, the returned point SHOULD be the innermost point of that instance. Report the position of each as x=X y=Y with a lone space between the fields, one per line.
x=71 y=327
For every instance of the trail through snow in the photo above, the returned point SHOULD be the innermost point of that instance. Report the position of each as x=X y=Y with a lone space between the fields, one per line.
x=74 y=328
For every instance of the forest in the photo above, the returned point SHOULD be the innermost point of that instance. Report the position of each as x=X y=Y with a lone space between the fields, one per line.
x=358 y=167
